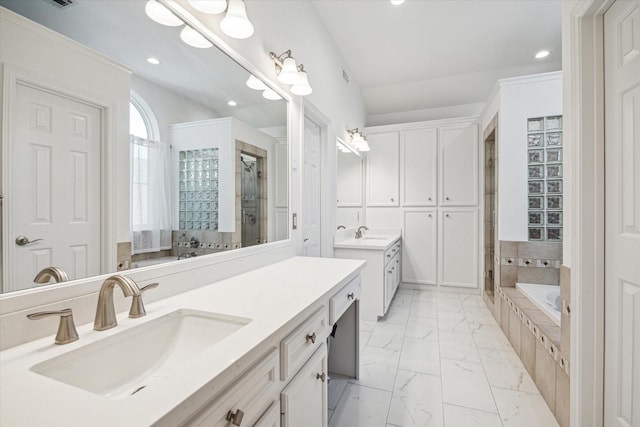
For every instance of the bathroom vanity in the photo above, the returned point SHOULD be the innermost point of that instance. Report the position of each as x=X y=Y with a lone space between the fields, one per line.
x=249 y=350
x=381 y=276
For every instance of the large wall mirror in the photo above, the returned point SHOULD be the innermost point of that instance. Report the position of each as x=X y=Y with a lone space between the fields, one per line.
x=207 y=167
x=350 y=186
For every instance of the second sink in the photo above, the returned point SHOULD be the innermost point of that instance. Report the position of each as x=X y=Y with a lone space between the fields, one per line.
x=123 y=364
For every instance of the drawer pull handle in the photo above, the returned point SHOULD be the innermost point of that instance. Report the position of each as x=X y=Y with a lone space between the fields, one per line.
x=311 y=337
x=388 y=255
x=390 y=271
x=235 y=417
x=350 y=295
x=322 y=377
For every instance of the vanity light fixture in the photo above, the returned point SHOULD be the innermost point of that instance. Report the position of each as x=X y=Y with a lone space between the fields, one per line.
x=542 y=54
x=211 y=7
x=291 y=74
x=254 y=83
x=194 y=38
x=152 y=60
x=358 y=140
x=271 y=94
x=160 y=14
x=236 y=24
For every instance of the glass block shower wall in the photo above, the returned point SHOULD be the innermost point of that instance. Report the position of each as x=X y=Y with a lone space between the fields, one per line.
x=198 y=182
x=544 y=171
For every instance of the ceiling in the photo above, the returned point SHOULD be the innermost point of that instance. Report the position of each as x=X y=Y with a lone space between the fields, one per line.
x=427 y=54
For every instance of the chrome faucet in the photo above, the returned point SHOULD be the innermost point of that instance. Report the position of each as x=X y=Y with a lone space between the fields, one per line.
x=48 y=273
x=359 y=231
x=105 y=312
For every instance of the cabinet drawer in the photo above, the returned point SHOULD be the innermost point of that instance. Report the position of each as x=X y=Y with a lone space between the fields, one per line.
x=391 y=251
x=340 y=302
x=271 y=418
x=301 y=343
x=253 y=394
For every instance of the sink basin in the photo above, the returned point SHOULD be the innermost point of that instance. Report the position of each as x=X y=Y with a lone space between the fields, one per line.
x=123 y=364
x=374 y=238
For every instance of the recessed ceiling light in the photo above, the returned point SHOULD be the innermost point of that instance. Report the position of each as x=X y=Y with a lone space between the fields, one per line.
x=542 y=54
x=397 y=2
x=152 y=60
x=232 y=103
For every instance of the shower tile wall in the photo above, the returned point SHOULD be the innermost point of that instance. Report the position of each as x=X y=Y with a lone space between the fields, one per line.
x=242 y=147
x=530 y=262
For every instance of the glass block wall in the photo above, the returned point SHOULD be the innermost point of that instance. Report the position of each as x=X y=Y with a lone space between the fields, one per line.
x=544 y=171
x=198 y=180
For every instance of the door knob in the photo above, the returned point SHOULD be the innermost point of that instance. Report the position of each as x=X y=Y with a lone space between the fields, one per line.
x=305 y=239
x=24 y=240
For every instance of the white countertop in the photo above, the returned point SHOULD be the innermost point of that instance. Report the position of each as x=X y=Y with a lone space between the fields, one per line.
x=371 y=240
x=273 y=297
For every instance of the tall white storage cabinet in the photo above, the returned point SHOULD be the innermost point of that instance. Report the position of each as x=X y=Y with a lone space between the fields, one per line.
x=383 y=170
x=438 y=210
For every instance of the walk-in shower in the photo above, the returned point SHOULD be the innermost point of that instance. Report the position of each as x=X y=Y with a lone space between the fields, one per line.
x=250 y=199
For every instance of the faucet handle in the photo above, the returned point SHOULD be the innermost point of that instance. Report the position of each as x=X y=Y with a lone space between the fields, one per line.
x=137 y=305
x=66 y=329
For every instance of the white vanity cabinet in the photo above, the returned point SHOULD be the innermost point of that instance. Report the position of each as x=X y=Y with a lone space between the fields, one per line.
x=420 y=237
x=304 y=401
x=459 y=165
x=459 y=247
x=383 y=169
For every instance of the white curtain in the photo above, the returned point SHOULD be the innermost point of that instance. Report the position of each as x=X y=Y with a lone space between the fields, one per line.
x=150 y=195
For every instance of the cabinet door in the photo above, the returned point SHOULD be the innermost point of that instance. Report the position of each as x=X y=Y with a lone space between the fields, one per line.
x=419 y=153
x=304 y=400
x=459 y=247
x=459 y=165
x=419 y=247
x=349 y=180
x=389 y=278
x=383 y=169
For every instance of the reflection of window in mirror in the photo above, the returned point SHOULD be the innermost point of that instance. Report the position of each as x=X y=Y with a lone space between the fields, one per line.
x=150 y=182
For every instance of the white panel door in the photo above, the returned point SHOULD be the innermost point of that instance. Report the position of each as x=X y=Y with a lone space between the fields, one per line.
x=383 y=169
x=304 y=401
x=459 y=165
x=311 y=190
x=622 y=215
x=419 y=241
x=459 y=247
x=55 y=145
x=419 y=167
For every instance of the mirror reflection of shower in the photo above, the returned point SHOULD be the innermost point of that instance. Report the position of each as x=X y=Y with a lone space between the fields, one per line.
x=250 y=199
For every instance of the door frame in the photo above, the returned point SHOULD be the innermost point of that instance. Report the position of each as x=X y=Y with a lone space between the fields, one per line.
x=12 y=76
x=327 y=201
x=583 y=97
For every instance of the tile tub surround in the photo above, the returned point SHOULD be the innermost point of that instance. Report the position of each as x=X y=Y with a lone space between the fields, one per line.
x=529 y=262
x=455 y=367
x=537 y=341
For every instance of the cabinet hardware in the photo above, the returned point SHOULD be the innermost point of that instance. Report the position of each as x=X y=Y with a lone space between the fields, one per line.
x=430 y=216
x=388 y=255
x=447 y=198
x=390 y=271
x=24 y=240
x=311 y=337
x=350 y=295
x=235 y=417
x=429 y=198
x=391 y=199
x=448 y=216
x=305 y=239
x=322 y=377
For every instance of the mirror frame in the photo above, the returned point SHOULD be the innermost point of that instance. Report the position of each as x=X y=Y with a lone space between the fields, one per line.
x=57 y=293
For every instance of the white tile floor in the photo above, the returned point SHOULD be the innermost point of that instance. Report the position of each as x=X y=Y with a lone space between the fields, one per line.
x=437 y=360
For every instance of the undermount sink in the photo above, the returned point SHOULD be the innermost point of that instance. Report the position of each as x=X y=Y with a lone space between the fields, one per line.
x=123 y=364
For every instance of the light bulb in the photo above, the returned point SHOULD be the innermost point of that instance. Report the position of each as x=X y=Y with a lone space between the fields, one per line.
x=397 y=2
x=236 y=24
x=194 y=38
x=212 y=7
x=289 y=72
x=160 y=14
x=302 y=87
x=542 y=54
x=254 y=83
x=364 y=146
x=271 y=94
x=152 y=60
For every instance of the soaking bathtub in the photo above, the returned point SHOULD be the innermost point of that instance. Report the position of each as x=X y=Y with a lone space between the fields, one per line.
x=545 y=297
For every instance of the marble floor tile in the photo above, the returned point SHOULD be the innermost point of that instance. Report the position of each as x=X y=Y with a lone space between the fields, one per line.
x=457 y=416
x=367 y=325
x=479 y=315
x=361 y=407
x=364 y=340
x=505 y=370
x=424 y=308
x=420 y=356
x=330 y=415
x=402 y=299
x=458 y=346
x=489 y=336
x=451 y=305
x=416 y=401
x=423 y=328
x=378 y=367
x=473 y=301
x=397 y=314
x=519 y=409
x=464 y=384
x=337 y=384
x=454 y=322
x=387 y=335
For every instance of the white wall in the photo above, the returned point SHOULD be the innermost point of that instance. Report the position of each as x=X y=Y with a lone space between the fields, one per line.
x=520 y=98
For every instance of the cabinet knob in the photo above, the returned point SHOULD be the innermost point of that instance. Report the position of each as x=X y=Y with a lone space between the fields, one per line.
x=430 y=216
x=305 y=239
x=235 y=417
x=429 y=198
x=311 y=337
x=350 y=295
x=322 y=377
x=392 y=199
x=390 y=271
x=448 y=216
